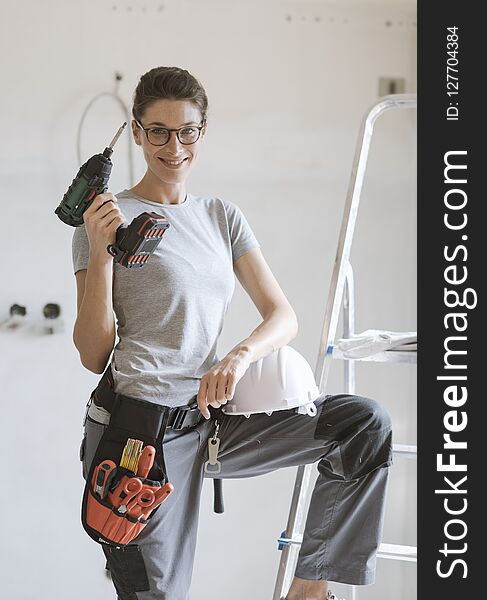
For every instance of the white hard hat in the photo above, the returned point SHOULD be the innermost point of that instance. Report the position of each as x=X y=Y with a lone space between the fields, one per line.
x=279 y=381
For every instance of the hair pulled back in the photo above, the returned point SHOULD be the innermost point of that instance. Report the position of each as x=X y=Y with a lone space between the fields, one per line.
x=169 y=83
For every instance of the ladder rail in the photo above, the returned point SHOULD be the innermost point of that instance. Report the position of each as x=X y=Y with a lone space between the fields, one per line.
x=290 y=547
x=347 y=230
x=349 y=327
x=342 y=278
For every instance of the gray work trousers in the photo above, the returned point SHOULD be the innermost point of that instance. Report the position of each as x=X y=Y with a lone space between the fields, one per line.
x=351 y=438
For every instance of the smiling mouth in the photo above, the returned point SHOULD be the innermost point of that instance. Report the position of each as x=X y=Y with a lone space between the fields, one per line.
x=173 y=164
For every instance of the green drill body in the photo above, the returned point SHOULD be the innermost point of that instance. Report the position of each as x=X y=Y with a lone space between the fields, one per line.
x=91 y=180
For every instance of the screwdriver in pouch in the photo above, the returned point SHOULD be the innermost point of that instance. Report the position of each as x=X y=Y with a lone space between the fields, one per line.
x=146 y=461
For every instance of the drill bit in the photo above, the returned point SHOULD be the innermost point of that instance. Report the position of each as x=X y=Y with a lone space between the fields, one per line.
x=117 y=135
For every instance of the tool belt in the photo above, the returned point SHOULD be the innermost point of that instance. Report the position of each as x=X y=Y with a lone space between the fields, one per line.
x=179 y=417
x=127 y=479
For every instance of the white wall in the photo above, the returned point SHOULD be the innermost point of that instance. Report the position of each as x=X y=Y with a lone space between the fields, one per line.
x=288 y=83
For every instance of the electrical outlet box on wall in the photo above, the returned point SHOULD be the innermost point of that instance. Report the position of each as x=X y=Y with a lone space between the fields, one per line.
x=391 y=85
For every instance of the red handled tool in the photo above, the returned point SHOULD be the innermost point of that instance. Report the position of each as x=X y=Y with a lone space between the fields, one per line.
x=141 y=502
x=160 y=495
x=146 y=461
x=127 y=489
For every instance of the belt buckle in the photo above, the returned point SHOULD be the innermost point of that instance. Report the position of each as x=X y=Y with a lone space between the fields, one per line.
x=180 y=415
x=179 y=418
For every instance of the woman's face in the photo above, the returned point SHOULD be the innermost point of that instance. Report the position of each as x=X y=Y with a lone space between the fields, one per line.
x=172 y=162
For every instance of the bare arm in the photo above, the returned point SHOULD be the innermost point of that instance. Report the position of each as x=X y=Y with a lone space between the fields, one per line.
x=278 y=327
x=94 y=329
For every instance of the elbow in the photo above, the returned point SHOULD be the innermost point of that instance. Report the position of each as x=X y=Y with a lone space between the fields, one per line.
x=294 y=327
x=90 y=363
x=97 y=368
x=288 y=322
x=92 y=358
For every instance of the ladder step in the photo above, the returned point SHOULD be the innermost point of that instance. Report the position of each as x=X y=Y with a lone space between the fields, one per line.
x=284 y=541
x=390 y=551
x=391 y=356
x=405 y=450
x=398 y=552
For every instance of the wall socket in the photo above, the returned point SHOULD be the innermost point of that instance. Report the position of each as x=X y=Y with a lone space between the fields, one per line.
x=391 y=85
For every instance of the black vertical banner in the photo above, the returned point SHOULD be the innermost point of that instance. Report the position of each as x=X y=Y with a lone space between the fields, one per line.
x=452 y=237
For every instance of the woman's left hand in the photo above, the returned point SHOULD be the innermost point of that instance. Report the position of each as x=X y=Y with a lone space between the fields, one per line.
x=217 y=386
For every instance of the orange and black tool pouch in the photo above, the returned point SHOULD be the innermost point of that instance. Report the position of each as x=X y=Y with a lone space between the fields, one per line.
x=104 y=517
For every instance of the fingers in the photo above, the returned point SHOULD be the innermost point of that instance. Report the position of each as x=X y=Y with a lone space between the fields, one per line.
x=106 y=209
x=221 y=389
x=102 y=219
x=214 y=391
x=102 y=205
x=218 y=385
x=201 y=399
x=231 y=385
x=99 y=201
x=114 y=218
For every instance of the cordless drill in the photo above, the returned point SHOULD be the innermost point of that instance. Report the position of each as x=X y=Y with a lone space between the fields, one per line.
x=135 y=243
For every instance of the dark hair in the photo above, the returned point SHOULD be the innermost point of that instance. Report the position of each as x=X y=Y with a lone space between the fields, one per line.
x=171 y=83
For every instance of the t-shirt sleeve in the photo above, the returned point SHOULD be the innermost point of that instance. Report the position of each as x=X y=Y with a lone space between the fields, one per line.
x=241 y=235
x=80 y=248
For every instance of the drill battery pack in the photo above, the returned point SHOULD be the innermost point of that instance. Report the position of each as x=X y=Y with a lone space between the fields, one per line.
x=138 y=241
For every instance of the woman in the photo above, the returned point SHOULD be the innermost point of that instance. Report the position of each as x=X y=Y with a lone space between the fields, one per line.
x=169 y=316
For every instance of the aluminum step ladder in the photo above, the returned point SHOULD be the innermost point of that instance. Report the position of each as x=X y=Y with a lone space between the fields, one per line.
x=341 y=295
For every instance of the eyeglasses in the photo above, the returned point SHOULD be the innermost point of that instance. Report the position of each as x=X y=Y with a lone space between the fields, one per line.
x=160 y=136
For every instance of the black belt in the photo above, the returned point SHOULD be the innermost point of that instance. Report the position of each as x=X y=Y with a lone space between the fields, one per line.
x=180 y=417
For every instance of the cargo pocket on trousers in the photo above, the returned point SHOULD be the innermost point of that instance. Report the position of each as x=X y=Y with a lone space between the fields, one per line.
x=128 y=571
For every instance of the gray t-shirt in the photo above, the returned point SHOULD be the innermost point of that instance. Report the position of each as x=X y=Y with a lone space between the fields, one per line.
x=170 y=312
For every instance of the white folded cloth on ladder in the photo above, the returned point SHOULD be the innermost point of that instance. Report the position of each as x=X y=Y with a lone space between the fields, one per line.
x=372 y=341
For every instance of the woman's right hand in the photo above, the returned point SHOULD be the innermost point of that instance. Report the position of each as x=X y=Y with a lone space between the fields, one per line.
x=102 y=219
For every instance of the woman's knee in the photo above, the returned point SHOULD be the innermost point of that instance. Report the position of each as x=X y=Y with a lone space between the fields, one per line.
x=367 y=444
x=376 y=438
x=352 y=412
x=378 y=417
